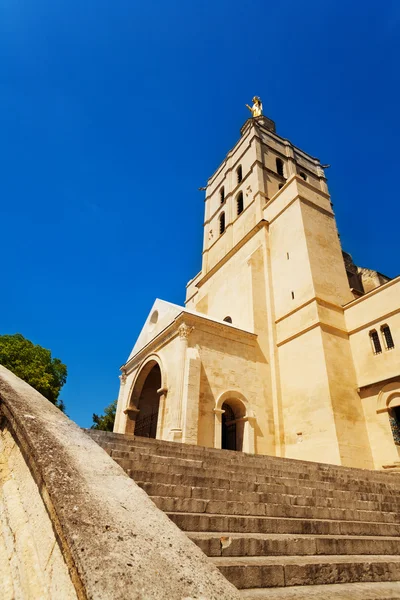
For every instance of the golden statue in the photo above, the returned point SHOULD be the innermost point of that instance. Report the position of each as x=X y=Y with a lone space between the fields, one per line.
x=256 y=109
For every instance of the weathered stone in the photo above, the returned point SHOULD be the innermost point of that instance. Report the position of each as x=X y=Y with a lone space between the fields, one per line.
x=113 y=539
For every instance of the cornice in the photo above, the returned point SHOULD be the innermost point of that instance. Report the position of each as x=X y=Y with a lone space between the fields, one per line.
x=183 y=326
x=260 y=225
x=319 y=301
x=324 y=326
x=382 y=317
x=372 y=293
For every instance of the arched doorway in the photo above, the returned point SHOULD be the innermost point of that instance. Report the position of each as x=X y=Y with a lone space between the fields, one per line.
x=228 y=441
x=148 y=403
x=394 y=418
x=232 y=424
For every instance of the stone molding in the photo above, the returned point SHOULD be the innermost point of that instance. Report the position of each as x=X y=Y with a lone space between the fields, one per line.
x=114 y=540
x=372 y=292
x=200 y=322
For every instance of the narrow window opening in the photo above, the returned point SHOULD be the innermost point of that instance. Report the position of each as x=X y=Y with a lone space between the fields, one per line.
x=239 y=203
x=279 y=167
x=239 y=174
x=222 y=195
x=222 y=223
x=228 y=319
x=375 y=341
x=292 y=295
x=303 y=175
x=287 y=255
x=387 y=336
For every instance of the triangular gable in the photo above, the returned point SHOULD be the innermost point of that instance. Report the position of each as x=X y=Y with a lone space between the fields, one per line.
x=161 y=315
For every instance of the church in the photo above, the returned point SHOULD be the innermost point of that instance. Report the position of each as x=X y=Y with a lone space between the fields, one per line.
x=284 y=346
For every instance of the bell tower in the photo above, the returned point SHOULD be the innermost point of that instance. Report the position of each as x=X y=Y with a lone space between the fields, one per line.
x=272 y=264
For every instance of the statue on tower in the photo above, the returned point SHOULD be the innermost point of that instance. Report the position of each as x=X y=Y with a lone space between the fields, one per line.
x=256 y=109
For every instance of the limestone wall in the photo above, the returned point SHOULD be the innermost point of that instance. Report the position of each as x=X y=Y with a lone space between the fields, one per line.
x=74 y=525
x=31 y=562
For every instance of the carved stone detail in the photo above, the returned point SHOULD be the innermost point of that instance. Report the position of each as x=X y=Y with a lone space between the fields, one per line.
x=185 y=331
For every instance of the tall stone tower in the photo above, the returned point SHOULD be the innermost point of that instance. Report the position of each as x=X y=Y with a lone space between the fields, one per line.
x=272 y=262
x=272 y=352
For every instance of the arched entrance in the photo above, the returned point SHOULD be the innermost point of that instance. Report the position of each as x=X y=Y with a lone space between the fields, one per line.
x=394 y=418
x=228 y=441
x=232 y=425
x=145 y=401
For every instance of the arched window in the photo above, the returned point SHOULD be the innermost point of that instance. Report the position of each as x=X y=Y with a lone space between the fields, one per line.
x=303 y=175
x=279 y=167
x=222 y=195
x=387 y=337
x=375 y=341
x=228 y=319
x=239 y=203
x=239 y=174
x=222 y=223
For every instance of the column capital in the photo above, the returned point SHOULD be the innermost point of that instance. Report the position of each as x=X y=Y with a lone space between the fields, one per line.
x=185 y=331
x=132 y=412
x=122 y=378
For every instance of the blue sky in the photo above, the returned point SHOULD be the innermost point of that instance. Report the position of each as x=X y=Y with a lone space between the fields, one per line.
x=112 y=114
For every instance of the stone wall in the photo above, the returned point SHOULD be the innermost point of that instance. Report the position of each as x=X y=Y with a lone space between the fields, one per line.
x=74 y=525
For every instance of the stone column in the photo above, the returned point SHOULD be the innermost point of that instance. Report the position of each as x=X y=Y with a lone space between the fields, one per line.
x=162 y=392
x=132 y=414
x=184 y=333
x=119 y=423
x=218 y=427
x=248 y=435
x=191 y=397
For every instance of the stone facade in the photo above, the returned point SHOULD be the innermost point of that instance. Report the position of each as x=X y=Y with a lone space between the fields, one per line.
x=276 y=350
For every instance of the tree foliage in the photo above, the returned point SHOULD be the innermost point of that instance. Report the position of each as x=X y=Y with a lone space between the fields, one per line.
x=35 y=365
x=105 y=422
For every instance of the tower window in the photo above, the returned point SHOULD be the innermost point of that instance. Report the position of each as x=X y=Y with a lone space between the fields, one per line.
x=292 y=295
x=228 y=319
x=239 y=174
x=375 y=341
x=222 y=223
x=222 y=195
x=279 y=167
x=239 y=203
x=303 y=175
x=387 y=337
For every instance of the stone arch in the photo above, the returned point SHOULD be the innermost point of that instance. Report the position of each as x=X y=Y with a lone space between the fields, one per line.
x=389 y=397
x=146 y=404
x=389 y=402
x=238 y=406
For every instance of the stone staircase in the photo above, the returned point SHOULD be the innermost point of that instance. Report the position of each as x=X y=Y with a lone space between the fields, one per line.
x=276 y=528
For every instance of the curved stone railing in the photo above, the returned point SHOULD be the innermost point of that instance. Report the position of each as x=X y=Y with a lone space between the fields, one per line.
x=73 y=525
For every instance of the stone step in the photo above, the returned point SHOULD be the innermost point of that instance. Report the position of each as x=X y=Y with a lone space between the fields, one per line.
x=189 y=467
x=195 y=505
x=107 y=439
x=280 y=470
x=258 y=544
x=345 y=591
x=206 y=493
x=216 y=486
x=274 y=571
x=252 y=524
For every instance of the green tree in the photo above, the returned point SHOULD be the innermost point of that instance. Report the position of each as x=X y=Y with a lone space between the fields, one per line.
x=105 y=422
x=35 y=365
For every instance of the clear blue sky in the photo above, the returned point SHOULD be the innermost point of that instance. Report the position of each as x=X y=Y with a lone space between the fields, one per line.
x=112 y=114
